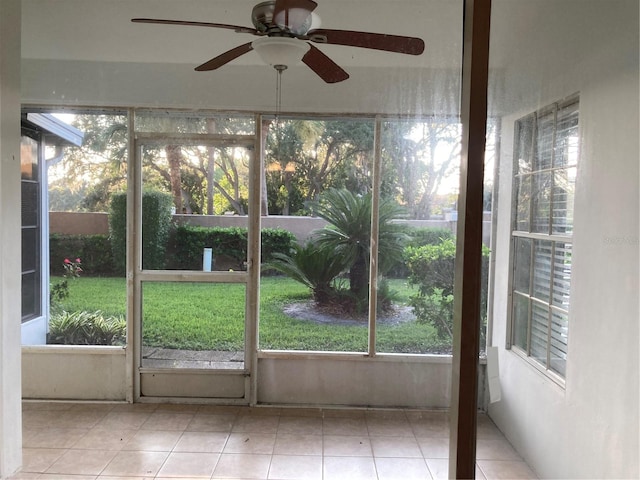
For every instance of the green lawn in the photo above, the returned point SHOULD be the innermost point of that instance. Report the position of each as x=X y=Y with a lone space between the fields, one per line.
x=204 y=316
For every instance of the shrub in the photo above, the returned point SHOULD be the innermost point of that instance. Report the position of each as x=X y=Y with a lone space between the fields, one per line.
x=432 y=270
x=312 y=266
x=58 y=293
x=276 y=240
x=187 y=243
x=436 y=309
x=432 y=266
x=156 y=222
x=86 y=328
x=419 y=237
x=94 y=250
x=118 y=231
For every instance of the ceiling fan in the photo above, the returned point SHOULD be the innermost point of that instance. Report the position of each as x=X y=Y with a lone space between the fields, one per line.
x=289 y=25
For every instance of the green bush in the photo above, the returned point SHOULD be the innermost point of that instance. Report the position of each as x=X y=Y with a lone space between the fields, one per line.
x=276 y=240
x=58 y=293
x=118 y=231
x=187 y=243
x=435 y=309
x=86 y=328
x=156 y=222
x=93 y=250
x=432 y=270
x=419 y=237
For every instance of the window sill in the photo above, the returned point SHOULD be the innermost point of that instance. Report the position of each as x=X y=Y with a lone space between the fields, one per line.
x=538 y=367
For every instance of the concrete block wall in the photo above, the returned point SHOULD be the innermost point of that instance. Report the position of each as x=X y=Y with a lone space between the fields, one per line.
x=87 y=223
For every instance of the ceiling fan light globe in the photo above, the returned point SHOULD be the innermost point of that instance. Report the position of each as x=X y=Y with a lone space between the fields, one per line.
x=316 y=22
x=284 y=24
x=280 y=50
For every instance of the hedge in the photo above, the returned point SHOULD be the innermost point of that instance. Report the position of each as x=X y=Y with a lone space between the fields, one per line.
x=419 y=237
x=93 y=250
x=185 y=248
x=156 y=223
x=187 y=243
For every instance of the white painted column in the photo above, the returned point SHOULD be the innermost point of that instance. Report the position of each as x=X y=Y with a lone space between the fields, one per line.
x=10 y=207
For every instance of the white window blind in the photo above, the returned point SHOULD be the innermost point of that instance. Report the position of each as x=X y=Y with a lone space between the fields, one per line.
x=545 y=158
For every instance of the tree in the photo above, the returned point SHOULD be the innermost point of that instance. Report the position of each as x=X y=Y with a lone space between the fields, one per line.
x=418 y=157
x=349 y=234
x=306 y=157
x=175 y=160
x=342 y=157
x=194 y=175
x=94 y=170
x=303 y=158
x=289 y=144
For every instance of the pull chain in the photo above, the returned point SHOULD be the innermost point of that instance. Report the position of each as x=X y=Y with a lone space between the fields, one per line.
x=279 y=70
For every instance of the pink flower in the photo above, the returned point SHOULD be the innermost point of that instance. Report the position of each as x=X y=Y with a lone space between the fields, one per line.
x=78 y=260
x=67 y=261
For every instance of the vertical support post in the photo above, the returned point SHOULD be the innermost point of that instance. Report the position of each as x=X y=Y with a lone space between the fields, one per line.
x=134 y=249
x=10 y=329
x=464 y=391
x=253 y=261
x=373 y=255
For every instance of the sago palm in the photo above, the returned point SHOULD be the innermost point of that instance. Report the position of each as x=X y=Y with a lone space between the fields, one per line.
x=312 y=266
x=349 y=234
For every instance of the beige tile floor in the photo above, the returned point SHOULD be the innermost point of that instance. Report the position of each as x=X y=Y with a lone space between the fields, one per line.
x=143 y=441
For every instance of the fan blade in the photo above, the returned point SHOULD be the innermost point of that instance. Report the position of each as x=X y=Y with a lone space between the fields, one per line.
x=235 y=28
x=375 y=41
x=323 y=66
x=293 y=14
x=225 y=58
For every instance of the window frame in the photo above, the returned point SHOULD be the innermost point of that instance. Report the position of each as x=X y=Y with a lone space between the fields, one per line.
x=39 y=308
x=373 y=349
x=551 y=237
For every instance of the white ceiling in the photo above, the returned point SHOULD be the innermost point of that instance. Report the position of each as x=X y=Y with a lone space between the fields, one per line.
x=88 y=52
x=101 y=30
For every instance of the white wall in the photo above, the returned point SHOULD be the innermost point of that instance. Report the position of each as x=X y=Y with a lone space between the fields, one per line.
x=10 y=406
x=589 y=428
x=379 y=382
x=99 y=373
x=65 y=372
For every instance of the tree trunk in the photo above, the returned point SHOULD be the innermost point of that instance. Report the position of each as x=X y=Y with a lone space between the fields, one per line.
x=211 y=155
x=264 y=201
x=174 y=157
x=287 y=189
x=358 y=280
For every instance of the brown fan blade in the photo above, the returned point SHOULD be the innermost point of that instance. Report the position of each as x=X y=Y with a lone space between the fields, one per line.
x=293 y=14
x=235 y=28
x=225 y=58
x=375 y=41
x=323 y=66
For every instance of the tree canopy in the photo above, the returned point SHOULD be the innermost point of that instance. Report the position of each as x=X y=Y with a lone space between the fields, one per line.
x=304 y=157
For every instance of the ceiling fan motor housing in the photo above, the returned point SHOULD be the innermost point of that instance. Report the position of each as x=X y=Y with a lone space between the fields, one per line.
x=263 y=20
